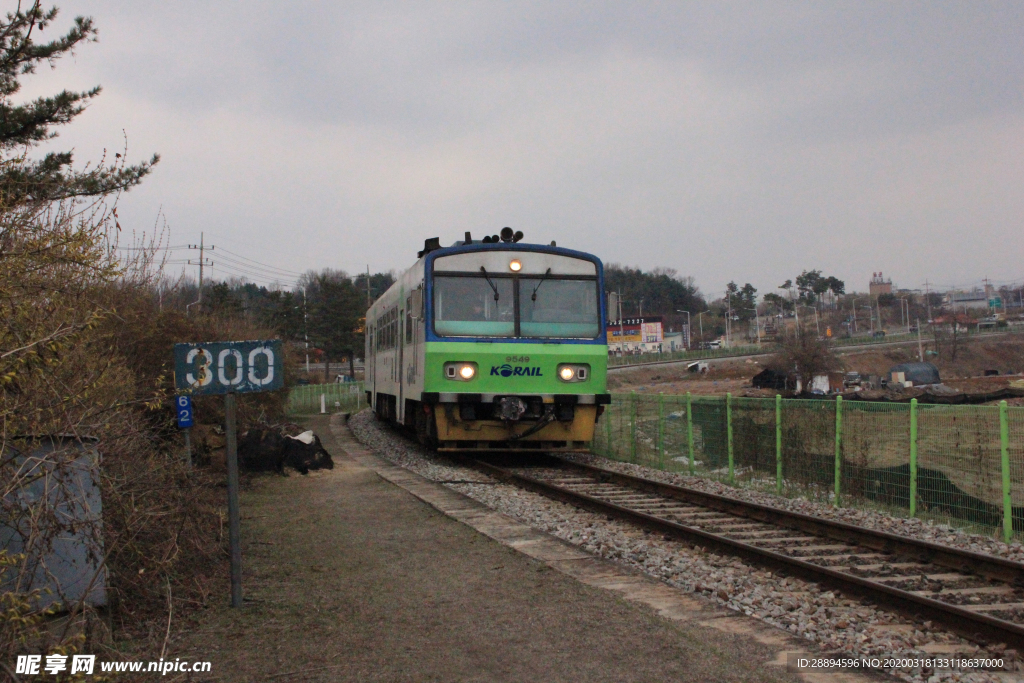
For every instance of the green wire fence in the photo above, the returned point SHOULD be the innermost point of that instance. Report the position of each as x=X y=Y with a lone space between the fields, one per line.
x=345 y=396
x=961 y=465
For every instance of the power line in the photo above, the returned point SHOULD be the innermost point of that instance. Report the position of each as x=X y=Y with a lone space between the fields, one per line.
x=255 y=278
x=171 y=248
x=251 y=271
x=280 y=272
x=245 y=258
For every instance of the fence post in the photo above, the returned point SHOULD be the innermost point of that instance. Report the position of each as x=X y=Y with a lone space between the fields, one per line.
x=1004 y=447
x=661 y=429
x=632 y=427
x=728 y=434
x=778 y=443
x=689 y=429
x=913 y=457
x=839 y=446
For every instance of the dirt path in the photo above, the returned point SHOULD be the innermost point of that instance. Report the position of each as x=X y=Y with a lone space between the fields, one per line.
x=349 y=578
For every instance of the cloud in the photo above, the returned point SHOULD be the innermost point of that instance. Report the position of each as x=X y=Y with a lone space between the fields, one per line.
x=731 y=141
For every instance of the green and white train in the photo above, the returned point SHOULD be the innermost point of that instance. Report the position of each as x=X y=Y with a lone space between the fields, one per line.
x=492 y=344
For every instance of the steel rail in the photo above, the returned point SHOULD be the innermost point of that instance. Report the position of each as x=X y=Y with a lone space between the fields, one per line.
x=964 y=561
x=974 y=626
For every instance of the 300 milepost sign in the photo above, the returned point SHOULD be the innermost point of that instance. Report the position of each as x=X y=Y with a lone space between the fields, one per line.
x=223 y=367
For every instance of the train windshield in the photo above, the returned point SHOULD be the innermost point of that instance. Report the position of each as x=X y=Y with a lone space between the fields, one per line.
x=474 y=307
x=549 y=306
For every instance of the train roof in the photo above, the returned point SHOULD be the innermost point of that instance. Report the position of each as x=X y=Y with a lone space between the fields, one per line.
x=429 y=254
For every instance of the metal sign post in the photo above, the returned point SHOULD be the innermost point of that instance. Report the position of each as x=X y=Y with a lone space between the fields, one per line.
x=183 y=409
x=234 y=529
x=230 y=368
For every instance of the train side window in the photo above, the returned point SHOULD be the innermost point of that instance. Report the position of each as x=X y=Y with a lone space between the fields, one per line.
x=408 y=320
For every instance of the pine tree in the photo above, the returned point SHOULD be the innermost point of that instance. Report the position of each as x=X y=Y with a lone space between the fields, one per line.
x=25 y=125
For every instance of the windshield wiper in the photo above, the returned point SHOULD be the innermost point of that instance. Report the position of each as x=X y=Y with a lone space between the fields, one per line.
x=493 y=286
x=542 y=278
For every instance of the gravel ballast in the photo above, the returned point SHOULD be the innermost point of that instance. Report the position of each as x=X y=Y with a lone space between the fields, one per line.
x=831 y=621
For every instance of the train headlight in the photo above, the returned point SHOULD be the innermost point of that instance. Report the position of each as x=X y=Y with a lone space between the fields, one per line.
x=515 y=265
x=573 y=372
x=461 y=371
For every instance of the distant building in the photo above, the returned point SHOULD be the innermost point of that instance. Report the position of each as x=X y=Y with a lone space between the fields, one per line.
x=879 y=285
x=636 y=335
x=976 y=298
x=677 y=341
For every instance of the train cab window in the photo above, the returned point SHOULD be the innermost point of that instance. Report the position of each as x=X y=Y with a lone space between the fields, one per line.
x=551 y=307
x=474 y=307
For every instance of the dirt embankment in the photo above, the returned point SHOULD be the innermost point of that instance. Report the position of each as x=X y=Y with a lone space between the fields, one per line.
x=965 y=373
x=722 y=376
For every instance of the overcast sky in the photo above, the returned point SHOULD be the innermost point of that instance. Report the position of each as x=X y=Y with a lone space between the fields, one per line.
x=729 y=141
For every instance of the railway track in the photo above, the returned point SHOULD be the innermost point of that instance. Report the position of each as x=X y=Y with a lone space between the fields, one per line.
x=977 y=596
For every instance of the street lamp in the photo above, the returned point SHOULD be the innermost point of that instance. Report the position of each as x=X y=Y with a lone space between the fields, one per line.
x=817 y=323
x=757 y=322
x=871 y=317
x=687 y=327
x=700 y=322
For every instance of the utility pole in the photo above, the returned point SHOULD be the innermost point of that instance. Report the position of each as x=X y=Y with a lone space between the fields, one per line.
x=920 y=349
x=728 y=319
x=757 y=323
x=201 y=263
x=305 y=328
x=689 y=328
x=622 y=327
x=928 y=300
x=368 y=301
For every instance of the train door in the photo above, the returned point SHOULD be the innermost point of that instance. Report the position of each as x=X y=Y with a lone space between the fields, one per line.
x=400 y=404
x=380 y=357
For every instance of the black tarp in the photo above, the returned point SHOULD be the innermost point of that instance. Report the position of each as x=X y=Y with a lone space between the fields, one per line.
x=918 y=373
x=770 y=379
